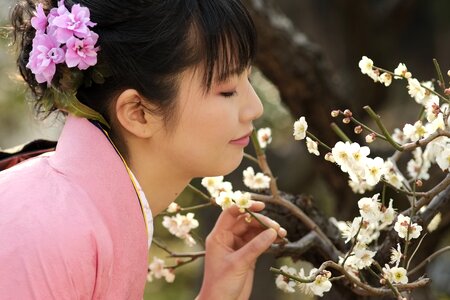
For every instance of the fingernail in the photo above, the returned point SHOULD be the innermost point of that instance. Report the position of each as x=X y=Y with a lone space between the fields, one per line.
x=282 y=231
x=274 y=223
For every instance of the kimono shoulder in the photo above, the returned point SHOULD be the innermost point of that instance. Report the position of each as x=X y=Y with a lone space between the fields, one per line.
x=54 y=244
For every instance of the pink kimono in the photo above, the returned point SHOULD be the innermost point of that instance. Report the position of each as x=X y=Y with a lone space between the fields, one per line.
x=71 y=225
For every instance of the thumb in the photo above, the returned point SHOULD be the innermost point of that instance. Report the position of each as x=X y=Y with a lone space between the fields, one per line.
x=254 y=248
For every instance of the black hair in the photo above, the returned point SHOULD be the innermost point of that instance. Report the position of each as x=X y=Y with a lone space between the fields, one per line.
x=145 y=44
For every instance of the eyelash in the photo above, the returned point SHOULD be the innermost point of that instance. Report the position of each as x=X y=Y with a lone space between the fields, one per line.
x=231 y=94
x=228 y=94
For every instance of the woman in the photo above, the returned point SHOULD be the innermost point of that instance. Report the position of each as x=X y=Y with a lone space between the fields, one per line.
x=163 y=93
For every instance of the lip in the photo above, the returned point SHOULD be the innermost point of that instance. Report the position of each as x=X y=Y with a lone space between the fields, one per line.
x=243 y=140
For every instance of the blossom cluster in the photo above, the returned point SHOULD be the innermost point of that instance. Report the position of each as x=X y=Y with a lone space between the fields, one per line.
x=181 y=226
x=62 y=36
x=437 y=117
x=158 y=270
x=223 y=194
x=318 y=286
x=365 y=229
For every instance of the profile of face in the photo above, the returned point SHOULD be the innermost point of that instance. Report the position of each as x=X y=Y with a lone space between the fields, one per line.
x=212 y=127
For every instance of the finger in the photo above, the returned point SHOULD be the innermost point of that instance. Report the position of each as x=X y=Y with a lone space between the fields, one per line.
x=242 y=225
x=255 y=247
x=228 y=217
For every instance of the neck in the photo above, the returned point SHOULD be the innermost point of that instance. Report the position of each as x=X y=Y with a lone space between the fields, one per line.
x=160 y=181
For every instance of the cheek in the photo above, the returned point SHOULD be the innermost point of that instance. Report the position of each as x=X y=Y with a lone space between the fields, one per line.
x=206 y=151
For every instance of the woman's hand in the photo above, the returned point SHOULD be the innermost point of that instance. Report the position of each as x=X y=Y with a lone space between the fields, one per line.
x=232 y=248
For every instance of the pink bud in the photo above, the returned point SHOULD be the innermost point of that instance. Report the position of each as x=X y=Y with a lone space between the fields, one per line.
x=348 y=113
x=370 y=138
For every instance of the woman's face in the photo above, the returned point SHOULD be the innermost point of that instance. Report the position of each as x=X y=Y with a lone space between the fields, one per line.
x=213 y=127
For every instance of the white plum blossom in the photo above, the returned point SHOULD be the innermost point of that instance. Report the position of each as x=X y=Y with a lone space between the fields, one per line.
x=432 y=108
x=360 y=187
x=173 y=208
x=312 y=146
x=435 y=149
x=391 y=176
x=255 y=182
x=416 y=90
x=351 y=229
x=443 y=159
x=401 y=71
x=215 y=185
x=211 y=183
x=398 y=136
x=242 y=200
x=158 y=270
x=398 y=275
x=366 y=66
x=181 y=225
x=437 y=123
x=300 y=127
x=374 y=170
x=369 y=208
x=284 y=283
x=396 y=255
x=395 y=274
x=415 y=132
x=321 y=283
x=362 y=257
x=385 y=79
x=429 y=96
x=225 y=199
x=264 y=137
x=388 y=216
x=405 y=228
x=418 y=166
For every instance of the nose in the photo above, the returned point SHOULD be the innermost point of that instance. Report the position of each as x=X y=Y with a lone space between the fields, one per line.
x=252 y=108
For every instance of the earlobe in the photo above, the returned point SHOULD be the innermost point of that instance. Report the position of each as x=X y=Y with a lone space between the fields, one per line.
x=132 y=115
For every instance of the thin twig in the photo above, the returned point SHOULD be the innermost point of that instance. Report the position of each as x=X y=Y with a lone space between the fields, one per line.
x=354 y=280
x=415 y=251
x=185 y=209
x=428 y=259
x=340 y=133
x=383 y=129
x=425 y=199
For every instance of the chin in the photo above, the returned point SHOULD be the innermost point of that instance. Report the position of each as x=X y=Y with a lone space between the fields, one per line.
x=224 y=168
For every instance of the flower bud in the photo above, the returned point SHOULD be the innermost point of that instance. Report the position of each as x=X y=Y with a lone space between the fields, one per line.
x=419 y=183
x=408 y=75
x=358 y=129
x=447 y=91
x=348 y=113
x=346 y=120
x=329 y=157
x=382 y=281
x=448 y=73
x=335 y=113
x=370 y=138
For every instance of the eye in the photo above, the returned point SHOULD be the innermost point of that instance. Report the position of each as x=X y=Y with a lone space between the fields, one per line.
x=228 y=94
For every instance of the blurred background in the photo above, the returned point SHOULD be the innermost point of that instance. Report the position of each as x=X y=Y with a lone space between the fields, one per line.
x=308 y=65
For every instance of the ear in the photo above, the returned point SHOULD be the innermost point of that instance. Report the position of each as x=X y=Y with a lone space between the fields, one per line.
x=133 y=116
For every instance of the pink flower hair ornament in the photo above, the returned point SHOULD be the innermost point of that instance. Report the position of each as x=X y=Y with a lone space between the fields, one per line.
x=62 y=36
